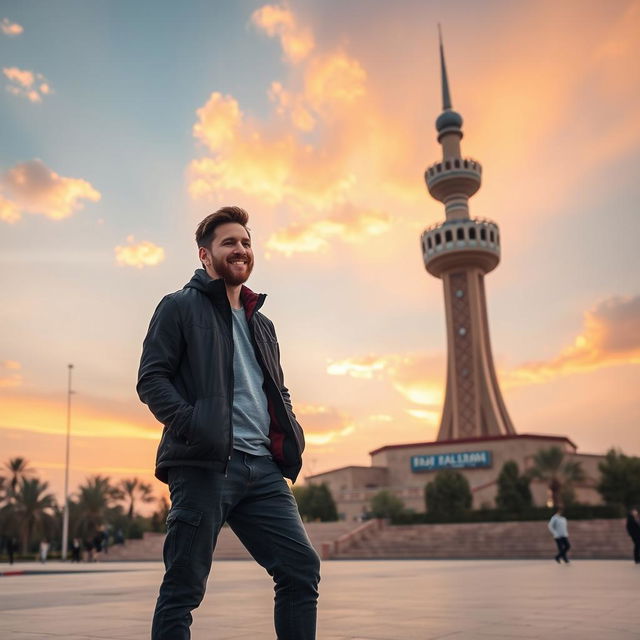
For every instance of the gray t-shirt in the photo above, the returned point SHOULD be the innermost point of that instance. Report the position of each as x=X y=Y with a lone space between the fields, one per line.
x=250 y=409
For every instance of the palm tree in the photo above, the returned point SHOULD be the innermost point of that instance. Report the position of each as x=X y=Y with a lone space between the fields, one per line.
x=559 y=475
x=132 y=488
x=18 y=469
x=4 y=490
x=32 y=509
x=95 y=498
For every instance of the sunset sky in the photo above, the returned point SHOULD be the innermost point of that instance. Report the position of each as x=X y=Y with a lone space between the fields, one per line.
x=122 y=124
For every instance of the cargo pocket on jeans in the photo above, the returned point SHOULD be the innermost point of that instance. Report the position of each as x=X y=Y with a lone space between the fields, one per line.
x=182 y=525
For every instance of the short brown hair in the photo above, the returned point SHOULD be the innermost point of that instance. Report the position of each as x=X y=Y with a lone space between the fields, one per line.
x=206 y=229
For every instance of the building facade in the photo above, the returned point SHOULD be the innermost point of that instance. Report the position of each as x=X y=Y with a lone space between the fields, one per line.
x=405 y=469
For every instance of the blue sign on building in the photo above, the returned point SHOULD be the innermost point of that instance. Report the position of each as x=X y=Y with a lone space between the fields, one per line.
x=458 y=460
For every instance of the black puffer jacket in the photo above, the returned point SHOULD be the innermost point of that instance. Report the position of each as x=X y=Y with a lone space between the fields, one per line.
x=186 y=378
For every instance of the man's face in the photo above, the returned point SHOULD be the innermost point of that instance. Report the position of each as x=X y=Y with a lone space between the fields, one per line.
x=230 y=256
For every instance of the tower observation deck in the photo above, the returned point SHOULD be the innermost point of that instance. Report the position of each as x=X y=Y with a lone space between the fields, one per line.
x=461 y=251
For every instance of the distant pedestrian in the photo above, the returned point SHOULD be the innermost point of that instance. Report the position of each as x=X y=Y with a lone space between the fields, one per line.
x=44 y=550
x=105 y=539
x=76 y=548
x=97 y=545
x=560 y=532
x=88 y=547
x=12 y=547
x=633 y=529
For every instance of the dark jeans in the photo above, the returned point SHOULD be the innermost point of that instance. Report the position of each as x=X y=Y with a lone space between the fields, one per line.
x=258 y=505
x=636 y=551
x=563 y=547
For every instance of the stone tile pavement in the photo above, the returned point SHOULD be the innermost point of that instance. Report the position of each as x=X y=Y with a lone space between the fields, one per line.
x=360 y=600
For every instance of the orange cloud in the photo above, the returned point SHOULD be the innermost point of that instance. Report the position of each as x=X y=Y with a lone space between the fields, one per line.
x=140 y=255
x=9 y=376
x=34 y=188
x=9 y=211
x=296 y=41
x=323 y=425
x=415 y=376
x=317 y=157
x=364 y=367
x=266 y=162
x=349 y=225
x=90 y=418
x=10 y=28
x=611 y=336
x=432 y=417
x=333 y=81
x=26 y=83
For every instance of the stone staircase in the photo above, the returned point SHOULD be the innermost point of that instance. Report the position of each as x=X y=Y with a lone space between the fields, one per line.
x=602 y=539
x=228 y=547
x=597 y=539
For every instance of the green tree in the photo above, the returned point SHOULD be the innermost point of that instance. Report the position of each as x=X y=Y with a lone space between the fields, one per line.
x=449 y=495
x=18 y=469
x=96 y=499
x=32 y=510
x=514 y=493
x=315 y=502
x=560 y=475
x=385 y=504
x=4 y=490
x=133 y=489
x=620 y=479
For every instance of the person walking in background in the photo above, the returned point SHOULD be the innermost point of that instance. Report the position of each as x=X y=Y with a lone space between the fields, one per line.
x=210 y=373
x=97 y=545
x=76 y=548
x=560 y=532
x=44 y=550
x=104 y=530
x=633 y=529
x=88 y=547
x=12 y=547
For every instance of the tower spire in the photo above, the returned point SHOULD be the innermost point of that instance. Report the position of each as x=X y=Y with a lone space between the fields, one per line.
x=446 y=96
x=449 y=122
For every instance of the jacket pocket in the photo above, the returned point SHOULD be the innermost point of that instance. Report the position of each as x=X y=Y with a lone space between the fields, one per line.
x=209 y=419
x=182 y=527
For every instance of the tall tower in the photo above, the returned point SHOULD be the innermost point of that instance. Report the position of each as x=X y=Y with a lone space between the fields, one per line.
x=460 y=251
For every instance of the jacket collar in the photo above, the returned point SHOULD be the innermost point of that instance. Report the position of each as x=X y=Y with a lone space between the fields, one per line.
x=217 y=293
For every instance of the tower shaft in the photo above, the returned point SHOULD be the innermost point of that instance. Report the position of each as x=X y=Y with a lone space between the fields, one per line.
x=473 y=404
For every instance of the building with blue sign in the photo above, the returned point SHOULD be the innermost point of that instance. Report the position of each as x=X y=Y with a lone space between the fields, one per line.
x=405 y=469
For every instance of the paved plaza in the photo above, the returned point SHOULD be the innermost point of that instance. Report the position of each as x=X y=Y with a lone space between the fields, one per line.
x=360 y=600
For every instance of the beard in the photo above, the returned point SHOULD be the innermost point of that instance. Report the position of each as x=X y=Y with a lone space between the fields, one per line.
x=227 y=273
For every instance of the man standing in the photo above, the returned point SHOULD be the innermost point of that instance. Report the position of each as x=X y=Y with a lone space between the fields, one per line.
x=633 y=529
x=210 y=373
x=559 y=530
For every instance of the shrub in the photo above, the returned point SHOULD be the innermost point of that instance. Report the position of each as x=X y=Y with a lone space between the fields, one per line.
x=514 y=493
x=315 y=502
x=620 y=479
x=449 y=495
x=385 y=504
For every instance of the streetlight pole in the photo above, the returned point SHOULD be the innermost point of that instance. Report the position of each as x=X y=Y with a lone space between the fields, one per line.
x=65 y=516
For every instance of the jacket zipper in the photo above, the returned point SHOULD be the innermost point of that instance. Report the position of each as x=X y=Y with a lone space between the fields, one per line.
x=230 y=399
